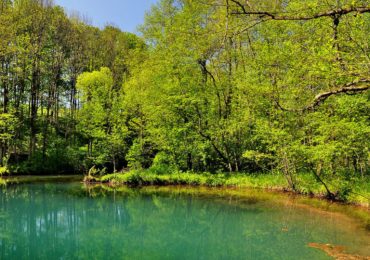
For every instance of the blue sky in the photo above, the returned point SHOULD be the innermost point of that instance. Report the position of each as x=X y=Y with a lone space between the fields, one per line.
x=126 y=14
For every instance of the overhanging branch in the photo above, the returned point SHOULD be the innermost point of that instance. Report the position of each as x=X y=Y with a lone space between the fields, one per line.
x=353 y=87
x=281 y=16
x=349 y=88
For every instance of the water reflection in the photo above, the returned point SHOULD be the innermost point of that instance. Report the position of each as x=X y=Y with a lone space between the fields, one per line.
x=66 y=221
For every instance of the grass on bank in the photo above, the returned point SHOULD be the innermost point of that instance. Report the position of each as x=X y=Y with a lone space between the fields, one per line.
x=355 y=190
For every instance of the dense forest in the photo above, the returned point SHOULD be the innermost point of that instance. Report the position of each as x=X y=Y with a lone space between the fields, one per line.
x=256 y=86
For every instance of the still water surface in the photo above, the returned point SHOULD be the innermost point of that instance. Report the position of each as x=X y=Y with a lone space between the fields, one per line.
x=70 y=221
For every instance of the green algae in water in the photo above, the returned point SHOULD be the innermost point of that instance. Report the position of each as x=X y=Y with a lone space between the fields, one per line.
x=68 y=221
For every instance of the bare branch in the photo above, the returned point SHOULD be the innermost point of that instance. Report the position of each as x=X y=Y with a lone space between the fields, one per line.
x=353 y=87
x=282 y=16
x=349 y=88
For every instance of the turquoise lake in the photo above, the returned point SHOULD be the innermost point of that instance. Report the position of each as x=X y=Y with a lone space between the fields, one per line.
x=72 y=221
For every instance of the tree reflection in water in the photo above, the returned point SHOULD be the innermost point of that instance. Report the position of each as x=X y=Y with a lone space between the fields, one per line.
x=67 y=221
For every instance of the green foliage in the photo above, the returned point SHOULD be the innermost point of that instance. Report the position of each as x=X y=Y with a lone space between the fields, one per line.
x=134 y=156
x=100 y=119
x=163 y=164
x=3 y=170
x=8 y=125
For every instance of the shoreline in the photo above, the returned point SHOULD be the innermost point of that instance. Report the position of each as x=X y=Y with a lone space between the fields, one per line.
x=268 y=183
x=139 y=179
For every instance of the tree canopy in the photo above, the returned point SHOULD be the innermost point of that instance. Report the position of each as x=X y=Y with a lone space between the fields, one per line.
x=218 y=85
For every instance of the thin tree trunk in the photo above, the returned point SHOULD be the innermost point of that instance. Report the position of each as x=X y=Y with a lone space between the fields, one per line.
x=33 y=115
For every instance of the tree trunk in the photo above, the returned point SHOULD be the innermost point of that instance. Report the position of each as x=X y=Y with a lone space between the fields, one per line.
x=33 y=112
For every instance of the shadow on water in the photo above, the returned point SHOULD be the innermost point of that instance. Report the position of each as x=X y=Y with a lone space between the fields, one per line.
x=72 y=220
